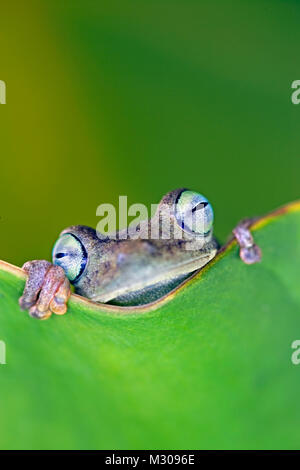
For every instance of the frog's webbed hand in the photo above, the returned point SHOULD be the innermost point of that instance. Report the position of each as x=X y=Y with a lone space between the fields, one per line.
x=47 y=289
x=250 y=253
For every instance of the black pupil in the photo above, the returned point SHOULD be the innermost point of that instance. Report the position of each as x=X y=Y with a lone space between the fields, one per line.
x=201 y=205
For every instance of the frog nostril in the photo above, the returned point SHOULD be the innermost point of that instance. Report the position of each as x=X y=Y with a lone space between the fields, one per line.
x=60 y=255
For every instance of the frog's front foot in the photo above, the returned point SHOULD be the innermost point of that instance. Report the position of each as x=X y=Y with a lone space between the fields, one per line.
x=47 y=289
x=250 y=253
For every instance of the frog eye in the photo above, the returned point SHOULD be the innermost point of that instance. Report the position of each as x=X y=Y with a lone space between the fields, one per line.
x=70 y=254
x=194 y=213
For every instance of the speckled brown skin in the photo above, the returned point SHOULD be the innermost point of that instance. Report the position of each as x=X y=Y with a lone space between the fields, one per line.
x=122 y=271
x=118 y=268
x=47 y=289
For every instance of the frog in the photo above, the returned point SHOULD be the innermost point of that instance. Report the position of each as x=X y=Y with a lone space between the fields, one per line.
x=130 y=270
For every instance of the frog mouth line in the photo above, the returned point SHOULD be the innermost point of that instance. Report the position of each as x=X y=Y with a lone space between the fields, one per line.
x=256 y=224
x=191 y=268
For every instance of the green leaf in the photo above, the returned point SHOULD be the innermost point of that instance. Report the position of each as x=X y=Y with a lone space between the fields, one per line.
x=209 y=366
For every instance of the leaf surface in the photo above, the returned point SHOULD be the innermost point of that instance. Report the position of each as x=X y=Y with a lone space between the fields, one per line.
x=209 y=366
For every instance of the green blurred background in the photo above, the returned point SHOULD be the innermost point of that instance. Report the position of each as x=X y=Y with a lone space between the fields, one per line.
x=138 y=98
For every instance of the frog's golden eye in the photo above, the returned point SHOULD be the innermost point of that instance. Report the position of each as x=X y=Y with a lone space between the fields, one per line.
x=70 y=254
x=194 y=213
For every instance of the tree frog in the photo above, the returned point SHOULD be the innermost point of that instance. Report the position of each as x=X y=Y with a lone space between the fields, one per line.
x=129 y=271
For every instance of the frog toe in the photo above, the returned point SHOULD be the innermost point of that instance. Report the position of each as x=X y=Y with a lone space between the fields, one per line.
x=47 y=289
x=36 y=271
x=58 y=304
x=250 y=253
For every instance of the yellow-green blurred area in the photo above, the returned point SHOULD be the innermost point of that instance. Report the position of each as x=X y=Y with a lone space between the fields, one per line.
x=140 y=97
